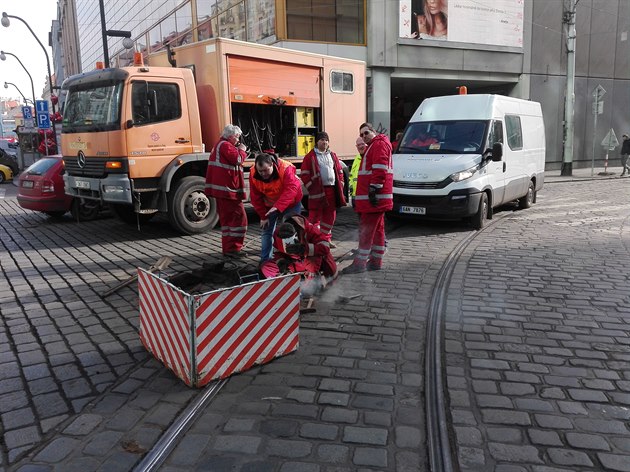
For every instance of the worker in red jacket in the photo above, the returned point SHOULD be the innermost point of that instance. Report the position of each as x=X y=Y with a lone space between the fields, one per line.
x=322 y=175
x=225 y=182
x=374 y=197
x=299 y=246
x=275 y=191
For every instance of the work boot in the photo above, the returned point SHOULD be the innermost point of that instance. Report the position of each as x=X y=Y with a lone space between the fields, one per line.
x=235 y=254
x=373 y=267
x=353 y=269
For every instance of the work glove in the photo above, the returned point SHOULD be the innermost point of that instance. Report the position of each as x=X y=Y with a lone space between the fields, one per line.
x=295 y=249
x=372 y=195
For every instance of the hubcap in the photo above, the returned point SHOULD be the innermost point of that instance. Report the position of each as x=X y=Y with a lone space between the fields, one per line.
x=197 y=206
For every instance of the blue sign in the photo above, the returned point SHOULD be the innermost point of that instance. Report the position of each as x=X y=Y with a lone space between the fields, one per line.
x=41 y=106
x=27 y=113
x=43 y=118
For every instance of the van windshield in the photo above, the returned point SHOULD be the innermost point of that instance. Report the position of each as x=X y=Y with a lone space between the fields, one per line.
x=444 y=137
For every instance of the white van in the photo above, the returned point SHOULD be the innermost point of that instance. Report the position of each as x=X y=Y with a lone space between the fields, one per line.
x=463 y=155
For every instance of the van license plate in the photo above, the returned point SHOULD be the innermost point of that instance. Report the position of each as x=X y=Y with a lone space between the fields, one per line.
x=82 y=184
x=413 y=210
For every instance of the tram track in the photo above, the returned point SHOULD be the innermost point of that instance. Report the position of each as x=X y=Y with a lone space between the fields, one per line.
x=439 y=447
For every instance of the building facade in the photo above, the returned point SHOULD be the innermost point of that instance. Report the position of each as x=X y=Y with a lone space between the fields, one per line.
x=413 y=49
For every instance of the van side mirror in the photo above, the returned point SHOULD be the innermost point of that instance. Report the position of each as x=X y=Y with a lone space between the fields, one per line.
x=497 y=152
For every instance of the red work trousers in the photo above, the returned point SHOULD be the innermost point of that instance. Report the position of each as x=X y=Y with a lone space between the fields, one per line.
x=324 y=217
x=371 y=240
x=233 y=221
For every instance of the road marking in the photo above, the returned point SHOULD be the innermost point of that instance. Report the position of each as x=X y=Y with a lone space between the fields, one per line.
x=2 y=192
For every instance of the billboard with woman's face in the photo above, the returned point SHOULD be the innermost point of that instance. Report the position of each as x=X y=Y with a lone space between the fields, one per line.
x=493 y=22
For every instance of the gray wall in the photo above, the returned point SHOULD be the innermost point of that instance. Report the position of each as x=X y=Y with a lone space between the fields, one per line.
x=602 y=58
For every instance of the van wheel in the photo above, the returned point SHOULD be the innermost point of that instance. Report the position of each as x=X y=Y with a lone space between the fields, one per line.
x=478 y=220
x=190 y=210
x=528 y=199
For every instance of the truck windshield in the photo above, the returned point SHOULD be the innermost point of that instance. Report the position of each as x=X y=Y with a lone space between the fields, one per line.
x=444 y=137
x=93 y=108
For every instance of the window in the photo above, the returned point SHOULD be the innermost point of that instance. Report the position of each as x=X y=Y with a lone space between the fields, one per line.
x=333 y=21
x=341 y=82
x=514 y=132
x=152 y=102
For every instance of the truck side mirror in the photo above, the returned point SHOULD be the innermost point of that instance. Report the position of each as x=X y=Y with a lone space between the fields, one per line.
x=497 y=152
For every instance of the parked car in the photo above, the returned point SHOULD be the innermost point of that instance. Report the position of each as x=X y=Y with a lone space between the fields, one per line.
x=8 y=147
x=9 y=161
x=6 y=174
x=41 y=189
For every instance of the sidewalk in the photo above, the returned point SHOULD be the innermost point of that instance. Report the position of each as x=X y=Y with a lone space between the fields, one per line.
x=585 y=173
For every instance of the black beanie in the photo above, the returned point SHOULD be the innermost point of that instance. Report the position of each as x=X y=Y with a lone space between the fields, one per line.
x=321 y=135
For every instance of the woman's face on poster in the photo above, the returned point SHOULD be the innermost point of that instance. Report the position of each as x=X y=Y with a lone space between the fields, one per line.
x=433 y=6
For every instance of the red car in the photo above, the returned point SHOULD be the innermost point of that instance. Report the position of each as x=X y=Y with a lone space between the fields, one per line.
x=42 y=189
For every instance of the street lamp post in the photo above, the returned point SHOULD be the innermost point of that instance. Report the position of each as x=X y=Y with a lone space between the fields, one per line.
x=6 y=22
x=127 y=42
x=3 y=57
x=6 y=86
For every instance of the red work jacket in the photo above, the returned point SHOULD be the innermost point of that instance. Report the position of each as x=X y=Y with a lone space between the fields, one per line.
x=283 y=190
x=312 y=178
x=224 y=177
x=376 y=169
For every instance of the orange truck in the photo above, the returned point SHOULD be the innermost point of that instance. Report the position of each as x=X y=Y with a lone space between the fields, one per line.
x=138 y=138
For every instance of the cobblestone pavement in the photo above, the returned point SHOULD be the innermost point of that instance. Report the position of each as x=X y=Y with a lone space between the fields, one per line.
x=79 y=392
x=538 y=336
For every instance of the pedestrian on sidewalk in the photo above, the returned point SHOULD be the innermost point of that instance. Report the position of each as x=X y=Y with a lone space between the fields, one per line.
x=322 y=175
x=374 y=197
x=625 y=152
x=275 y=191
x=225 y=182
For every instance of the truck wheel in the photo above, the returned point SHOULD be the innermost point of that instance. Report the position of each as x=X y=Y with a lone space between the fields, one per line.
x=127 y=214
x=83 y=211
x=478 y=220
x=190 y=210
x=528 y=199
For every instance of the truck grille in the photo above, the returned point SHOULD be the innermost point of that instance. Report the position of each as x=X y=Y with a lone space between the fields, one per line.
x=94 y=166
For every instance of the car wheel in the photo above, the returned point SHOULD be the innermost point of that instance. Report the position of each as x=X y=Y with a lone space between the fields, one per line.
x=190 y=210
x=83 y=210
x=55 y=214
x=528 y=200
x=478 y=220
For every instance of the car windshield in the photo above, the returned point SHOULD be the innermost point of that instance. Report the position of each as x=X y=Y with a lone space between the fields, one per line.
x=41 y=166
x=93 y=107
x=444 y=137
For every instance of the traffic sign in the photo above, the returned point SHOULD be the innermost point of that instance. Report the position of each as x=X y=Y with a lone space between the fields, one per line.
x=43 y=117
x=41 y=106
x=599 y=92
x=610 y=142
x=27 y=113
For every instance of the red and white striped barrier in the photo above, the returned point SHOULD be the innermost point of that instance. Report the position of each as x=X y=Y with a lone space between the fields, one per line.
x=216 y=334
